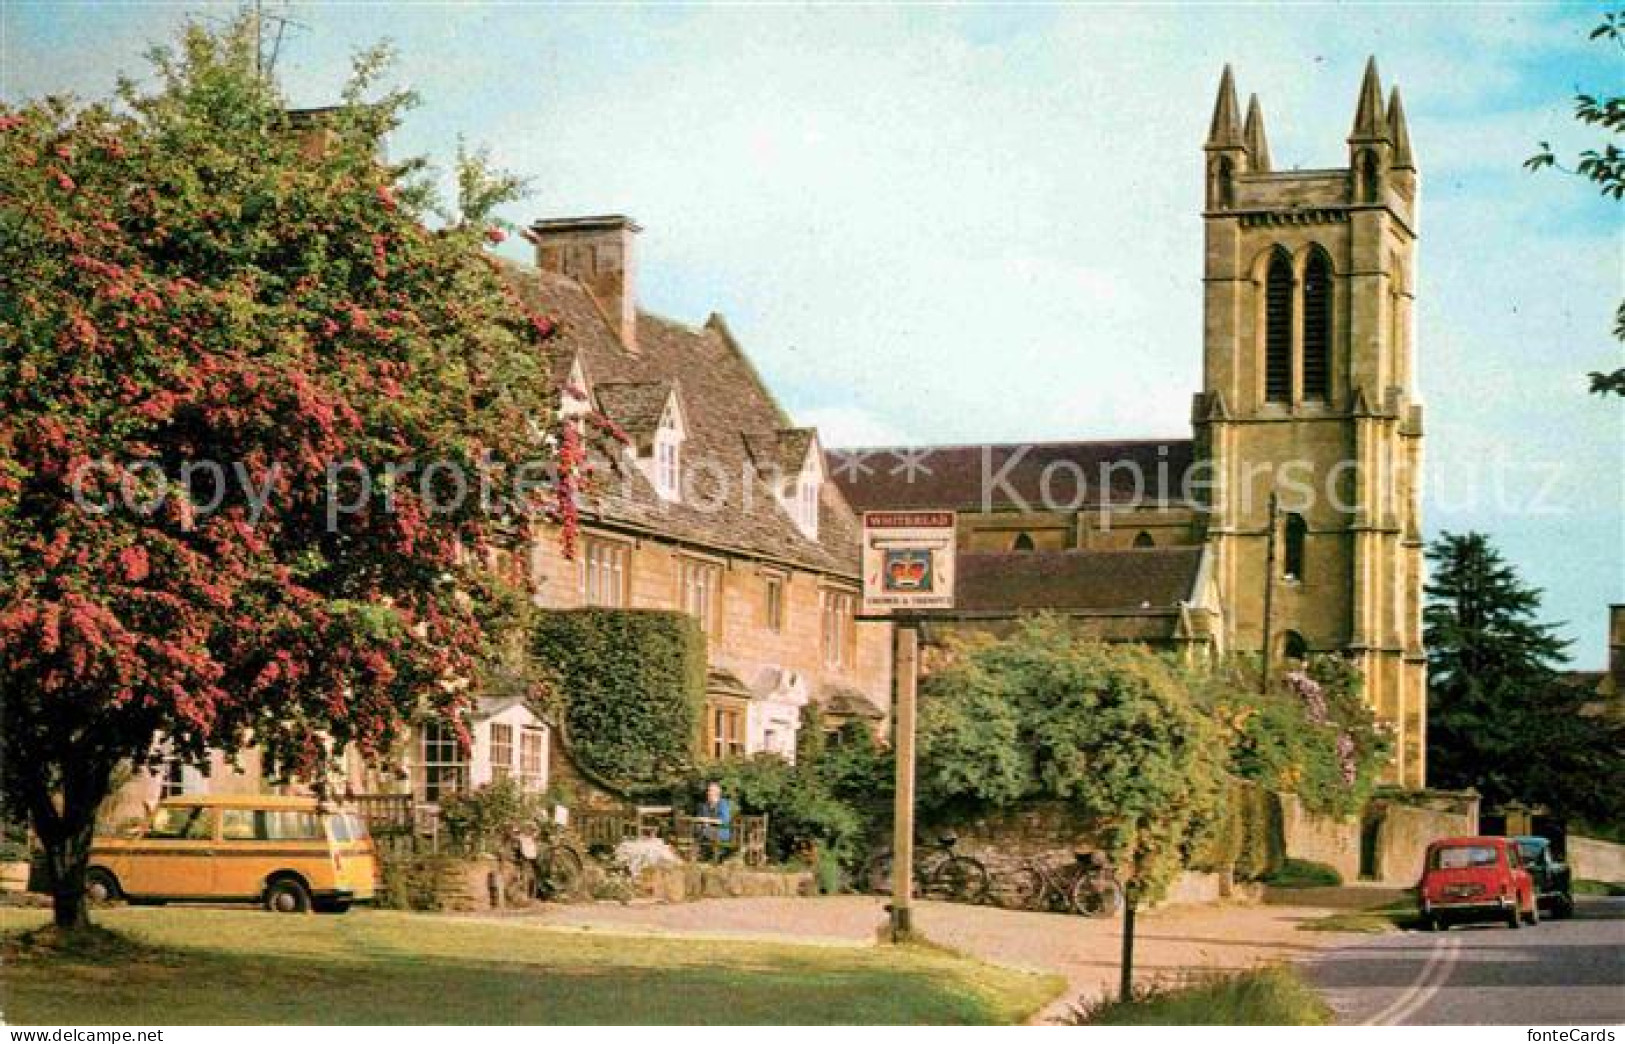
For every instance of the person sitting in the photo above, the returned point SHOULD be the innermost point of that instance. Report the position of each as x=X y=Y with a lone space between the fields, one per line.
x=715 y=831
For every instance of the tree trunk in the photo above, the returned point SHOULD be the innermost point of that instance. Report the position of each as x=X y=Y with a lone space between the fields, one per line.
x=66 y=824
x=65 y=864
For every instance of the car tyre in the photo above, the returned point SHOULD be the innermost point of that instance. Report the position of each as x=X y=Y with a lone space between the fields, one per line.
x=101 y=886
x=1514 y=917
x=1534 y=911
x=286 y=895
x=1564 y=907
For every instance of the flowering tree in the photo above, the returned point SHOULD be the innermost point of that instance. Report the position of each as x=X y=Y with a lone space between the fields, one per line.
x=260 y=427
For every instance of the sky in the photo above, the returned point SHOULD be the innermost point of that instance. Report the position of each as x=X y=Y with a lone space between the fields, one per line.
x=962 y=223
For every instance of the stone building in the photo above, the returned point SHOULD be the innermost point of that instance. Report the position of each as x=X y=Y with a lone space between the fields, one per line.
x=720 y=507
x=1306 y=443
x=1605 y=688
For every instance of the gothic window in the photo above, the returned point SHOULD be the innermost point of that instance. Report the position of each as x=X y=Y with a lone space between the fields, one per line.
x=1293 y=647
x=1317 y=327
x=1296 y=530
x=1278 y=331
x=1023 y=542
x=1144 y=539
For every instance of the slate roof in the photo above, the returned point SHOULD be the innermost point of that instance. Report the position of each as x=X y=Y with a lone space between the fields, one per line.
x=954 y=477
x=1137 y=580
x=636 y=406
x=727 y=407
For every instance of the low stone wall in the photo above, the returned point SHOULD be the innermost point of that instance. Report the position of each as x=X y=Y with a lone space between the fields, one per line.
x=685 y=882
x=1593 y=860
x=1330 y=840
x=1400 y=831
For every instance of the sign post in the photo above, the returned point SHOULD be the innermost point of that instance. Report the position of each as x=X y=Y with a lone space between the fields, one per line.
x=908 y=571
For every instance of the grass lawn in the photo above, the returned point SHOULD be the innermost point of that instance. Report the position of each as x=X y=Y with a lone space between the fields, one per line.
x=189 y=966
x=1273 y=996
x=1583 y=887
x=1373 y=921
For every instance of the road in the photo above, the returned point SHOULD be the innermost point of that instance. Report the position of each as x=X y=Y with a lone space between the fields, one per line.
x=1559 y=973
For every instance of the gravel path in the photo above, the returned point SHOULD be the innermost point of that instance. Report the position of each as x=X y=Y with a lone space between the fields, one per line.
x=1169 y=943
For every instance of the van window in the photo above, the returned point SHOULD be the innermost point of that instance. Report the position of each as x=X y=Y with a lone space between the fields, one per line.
x=182 y=824
x=238 y=824
x=291 y=826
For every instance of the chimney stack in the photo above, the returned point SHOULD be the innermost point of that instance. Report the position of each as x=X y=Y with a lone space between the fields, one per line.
x=596 y=252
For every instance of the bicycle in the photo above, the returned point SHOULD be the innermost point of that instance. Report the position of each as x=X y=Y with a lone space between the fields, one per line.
x=944 y=874
x=551 y=865
x=1097 y=892
x=1088 y=886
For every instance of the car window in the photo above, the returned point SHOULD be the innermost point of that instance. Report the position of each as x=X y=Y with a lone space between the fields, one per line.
x=338 y=827
x=1462 y=857
x=181 y=823
x=358 y=828
x=1530 y=852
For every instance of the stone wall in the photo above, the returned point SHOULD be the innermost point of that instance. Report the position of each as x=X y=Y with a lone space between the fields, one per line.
x=689 y=881
x=1397 y=833
x=1333 y=841
x=1594 y=860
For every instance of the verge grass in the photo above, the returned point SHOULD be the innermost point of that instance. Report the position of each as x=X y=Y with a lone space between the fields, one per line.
x=180 y=966
x=1270 y=996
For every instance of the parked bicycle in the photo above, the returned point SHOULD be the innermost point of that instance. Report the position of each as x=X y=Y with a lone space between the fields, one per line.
x=550 y=865
x=939 y=874
x=1088 y=886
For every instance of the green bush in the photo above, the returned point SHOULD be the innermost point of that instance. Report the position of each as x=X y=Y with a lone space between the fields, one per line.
x=483 y=819
x=1311 y=734
x=413 y=882
x=1109 y=729
x=632 y=686
x=802 y=813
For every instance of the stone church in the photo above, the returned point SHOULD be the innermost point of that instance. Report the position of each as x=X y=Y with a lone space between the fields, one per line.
x=1290 y=519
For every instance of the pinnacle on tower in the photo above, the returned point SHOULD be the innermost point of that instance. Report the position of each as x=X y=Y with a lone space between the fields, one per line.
x=1258 y=146
x=1403 y=159
x=1225 y=133
x=1370 y=123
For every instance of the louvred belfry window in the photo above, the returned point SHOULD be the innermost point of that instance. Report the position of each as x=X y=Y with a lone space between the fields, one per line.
x=1278 y=331
x=1317 y=329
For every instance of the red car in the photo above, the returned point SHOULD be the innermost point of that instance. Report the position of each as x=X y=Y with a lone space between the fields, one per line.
x=1476 y=879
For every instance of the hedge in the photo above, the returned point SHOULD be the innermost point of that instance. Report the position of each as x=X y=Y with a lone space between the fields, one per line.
x=632 y=691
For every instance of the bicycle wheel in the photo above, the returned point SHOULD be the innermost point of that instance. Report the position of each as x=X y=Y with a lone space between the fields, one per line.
x=1028 y=890
x=565 y=875
x=875 y=878
x=959 y=878
x=1097 y=897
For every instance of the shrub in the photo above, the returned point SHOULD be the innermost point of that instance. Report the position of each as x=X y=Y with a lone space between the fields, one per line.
x=1107 y=728
x=1311 y=734
x=483 y=819
x=801 y=811
x=632 y=686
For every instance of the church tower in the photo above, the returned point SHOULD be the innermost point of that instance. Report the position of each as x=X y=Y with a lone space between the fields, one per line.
x=1308 y=403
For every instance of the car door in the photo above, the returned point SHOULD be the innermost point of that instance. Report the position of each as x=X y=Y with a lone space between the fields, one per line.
x=175 y=856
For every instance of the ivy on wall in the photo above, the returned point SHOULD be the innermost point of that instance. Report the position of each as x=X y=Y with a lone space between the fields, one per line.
x=631 y=690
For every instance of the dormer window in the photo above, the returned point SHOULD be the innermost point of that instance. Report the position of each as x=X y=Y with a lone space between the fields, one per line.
x=668 y=476
x=807 y=504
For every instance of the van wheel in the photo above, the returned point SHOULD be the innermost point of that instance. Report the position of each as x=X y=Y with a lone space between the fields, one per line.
x=286 y=895
x=100 y=886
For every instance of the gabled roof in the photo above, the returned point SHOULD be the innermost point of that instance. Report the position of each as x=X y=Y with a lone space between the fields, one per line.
x=636 y=407
x=1009 y=476
x=723 y=399
x=1133 y=581
x=783 y=452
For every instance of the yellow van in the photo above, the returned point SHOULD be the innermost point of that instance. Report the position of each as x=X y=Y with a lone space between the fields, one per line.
x=289 y=853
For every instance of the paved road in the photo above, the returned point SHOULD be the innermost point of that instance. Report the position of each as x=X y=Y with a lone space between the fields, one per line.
x=1560 y=973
